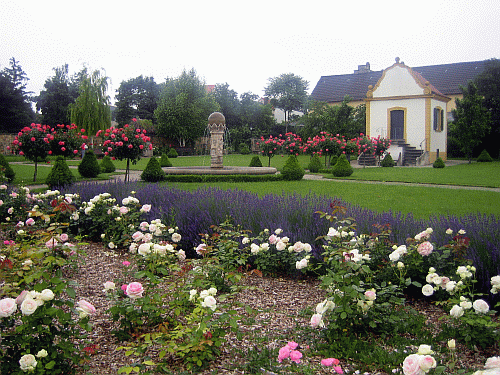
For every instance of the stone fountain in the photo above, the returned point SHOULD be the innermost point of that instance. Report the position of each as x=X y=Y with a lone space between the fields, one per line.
x=217 y=127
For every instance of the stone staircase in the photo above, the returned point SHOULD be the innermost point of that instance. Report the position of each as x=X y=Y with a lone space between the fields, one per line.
x=367 y=160
x=410 y=153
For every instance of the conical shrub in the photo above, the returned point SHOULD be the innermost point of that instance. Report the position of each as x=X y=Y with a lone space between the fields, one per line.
x=165 y=161
x=315 y=164
x=255 y=162
x=484 y=157
x=342 y=168
x=89 y=166
x=387 y=161
x=438 y=163
x=107 y=165
x=153 y=171
x=8 y=172
x=292 y=170
x=60 y=174
x=172 y=153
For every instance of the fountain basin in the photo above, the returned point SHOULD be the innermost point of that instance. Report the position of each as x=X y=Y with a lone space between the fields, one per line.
x=226 y=170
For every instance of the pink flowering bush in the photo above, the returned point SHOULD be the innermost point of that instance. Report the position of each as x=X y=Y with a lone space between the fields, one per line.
x=270 y=147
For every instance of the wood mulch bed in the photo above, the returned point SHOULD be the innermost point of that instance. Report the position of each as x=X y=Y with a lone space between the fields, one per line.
x=279 y=303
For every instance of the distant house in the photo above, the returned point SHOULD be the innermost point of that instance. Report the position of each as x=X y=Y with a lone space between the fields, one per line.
x=411 y=106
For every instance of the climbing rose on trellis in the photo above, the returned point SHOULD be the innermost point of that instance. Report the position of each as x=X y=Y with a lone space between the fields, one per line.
x=127 y=143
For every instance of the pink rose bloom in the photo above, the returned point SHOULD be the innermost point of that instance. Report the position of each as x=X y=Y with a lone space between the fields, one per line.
x=63 y=237
x=492 y=363
x=295 y=356
x=7 y=307
x=330 y=361
x=370 y=295
x=317 y=321
x=134 y=290
x=10 y=211
x=283 y=353
x=146 y=208
x=427 y=362
x=20 y=298
x=124 y=210
x=425 y=248
x=338 y=369
x=30 y=221
x=200 y=248
x=137 y=236
x=86 y=307
x=411 y=365
x=51 y=243
x=292 y=345
x=124 y=288
x=273 y=239
x=126 y=263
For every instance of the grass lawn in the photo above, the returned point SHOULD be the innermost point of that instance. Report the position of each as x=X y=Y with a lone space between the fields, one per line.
x=421 y=201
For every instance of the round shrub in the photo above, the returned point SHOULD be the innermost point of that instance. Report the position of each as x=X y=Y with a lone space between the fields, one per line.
x=60 y=174
x=107 y=165
x=8 y=172
x=292 y=170
x=255 y=162
x=165 y=161
x=89 y=166
x=439 y=163
x=342 y=168
x=484 y=157
x=153 y=171
x=333 y=160
x=387 y=161
x=172 y=154
x=315 y=164
x=244 y=150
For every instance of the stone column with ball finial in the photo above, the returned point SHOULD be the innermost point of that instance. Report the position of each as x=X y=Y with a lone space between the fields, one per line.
x=217 y=127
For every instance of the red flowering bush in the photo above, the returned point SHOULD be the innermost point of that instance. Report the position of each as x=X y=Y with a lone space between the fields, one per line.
x=127 y=143
x=66 y=140
x=270 y=147
x=292 y=144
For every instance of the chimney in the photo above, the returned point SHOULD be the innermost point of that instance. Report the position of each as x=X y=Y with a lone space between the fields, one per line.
x=363 y=68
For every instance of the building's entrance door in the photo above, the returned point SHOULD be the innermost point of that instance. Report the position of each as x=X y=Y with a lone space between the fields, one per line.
x=397 y=124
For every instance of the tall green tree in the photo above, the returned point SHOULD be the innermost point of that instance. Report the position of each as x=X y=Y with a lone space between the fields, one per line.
x=228 y=103
x=183 y=109
x=137 y=98
x=59 y=92
x=488 y=84
x=288 y=92
x=471 y=119
x=91 y=109
x=15 y=101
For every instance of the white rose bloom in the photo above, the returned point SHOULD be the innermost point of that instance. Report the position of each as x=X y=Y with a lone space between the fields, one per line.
x=27 y=362
x=47 y=295
x=280 y=245
x=171 y=230
x=424 y=350
x=254 y=248
x=481 y=306
x=29 y=306
x=456 y=311
x=495 y=280
x=212 y=291
x=401 y=265
x=42 y=353
x=450 y=286
x=332 y=232
x=169 y=248
x=192 y=294
x=394 y=256
x=461 y=231
x=429 y=230
x=301 y=264
x=204 y=293
x=307 y=248
x=264 y=246
x=144 y=249
x=449 y=231
x=181 y=254
x=466 y=305
x=431 y=277
x=427 y=290
x=245 y=240
x=109 y=285
x=209 y=302
x=133 y=248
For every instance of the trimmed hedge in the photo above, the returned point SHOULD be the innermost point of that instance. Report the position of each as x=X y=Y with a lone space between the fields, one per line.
x=315 y=164
x=439 y=163
x=223 y=178
x=342 y=168
x=107 y=165
x=153 y=171
x=172 y=153
x=165 y=161
x=60 y=175
x=255 y=162
x=387 y=161
x=484 y=157
x=292 y=170
x=89 y=166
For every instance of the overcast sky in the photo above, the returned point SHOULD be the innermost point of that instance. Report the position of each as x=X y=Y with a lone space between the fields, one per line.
x=242 y=43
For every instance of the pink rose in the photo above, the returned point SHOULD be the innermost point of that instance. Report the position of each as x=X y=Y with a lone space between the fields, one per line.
x=134 y=290
x=20 y=298
x=427 y=362
x=338 y=369
x=51 y=243
x=273 y=239
x=85 y=308
x=330 y=361
x=7 y=307
x=200 y=248
x=317 y=321
x=370 y=295
x=124 y=210
x=124 y=288
x=126 y=263
x=295 y=356
x=63 y=237
x=30 y=221
x=292 y=345
x=411 y=365
x=146 y=208
x=283 y=353
x=425 y=248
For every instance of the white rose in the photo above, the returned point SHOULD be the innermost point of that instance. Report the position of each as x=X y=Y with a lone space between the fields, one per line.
x=245 y=240
x=427 y=290
x=42 y=353
x=424 y=350
x=450 y=286
x=394 y=256
x=495 y=280
x=301 y=264
x=27 y=362
x=109 y=285
x=456 y=311
x=280 y=245
x=254 y=248
x=144 y=249
x=47 y=295
x=209 y=302
x=264 y=246
x=7 y=307
x=181 y=254
x=29 y=306
x=212 y=291
x=481 y=306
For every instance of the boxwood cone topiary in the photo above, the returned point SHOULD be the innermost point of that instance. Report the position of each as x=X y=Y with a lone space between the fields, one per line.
x=484 y=157
x=107 y=165
x=153 y=171
x=89 y=166
x=172 y=154
x=8 y=172
x=342 y=168
x=165 y=161
x=439 y=163
x=315 y=164
x=292 y=170
x=387 y=161
x=60 y=174
x=255 y=162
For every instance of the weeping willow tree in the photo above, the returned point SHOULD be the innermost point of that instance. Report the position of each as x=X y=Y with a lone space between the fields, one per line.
x=91 y=109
